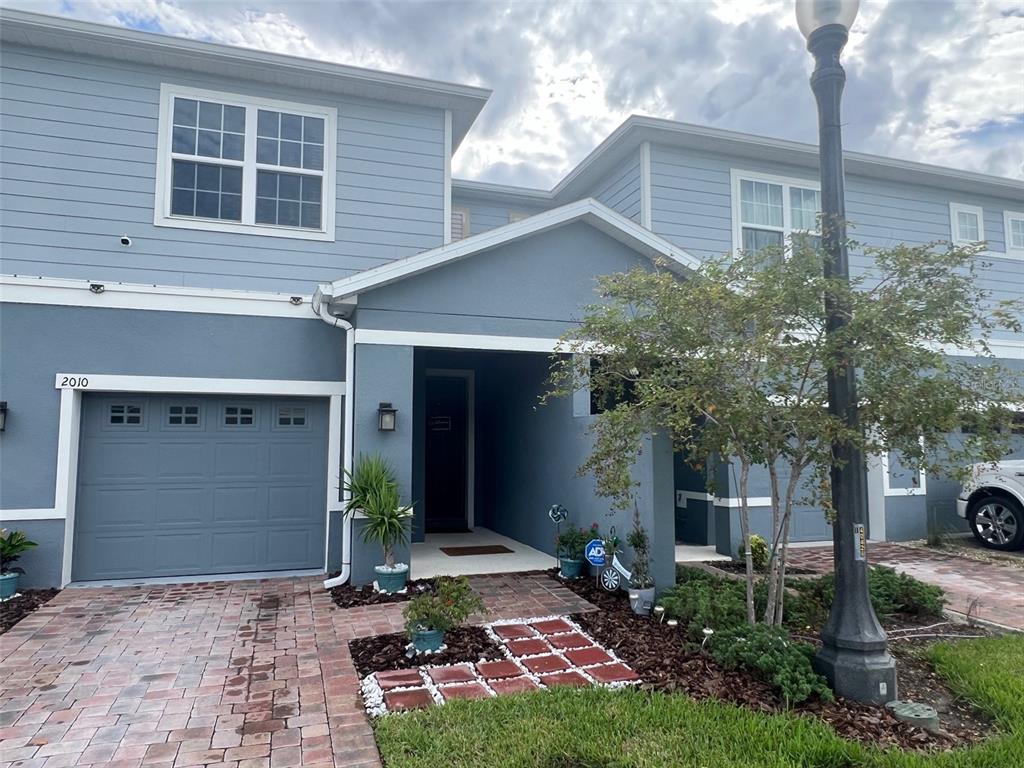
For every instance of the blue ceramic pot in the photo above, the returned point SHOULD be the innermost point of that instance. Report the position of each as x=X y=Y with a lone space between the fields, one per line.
x=427 y=640
x=571 y=569
x=391 y=581
x=8 y=585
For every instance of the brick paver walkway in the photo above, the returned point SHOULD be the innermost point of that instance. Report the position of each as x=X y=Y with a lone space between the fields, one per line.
x=245 y=674
x=989 y=591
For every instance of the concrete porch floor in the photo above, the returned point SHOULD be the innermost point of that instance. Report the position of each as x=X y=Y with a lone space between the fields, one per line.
x=695 y=553
x=429 y=561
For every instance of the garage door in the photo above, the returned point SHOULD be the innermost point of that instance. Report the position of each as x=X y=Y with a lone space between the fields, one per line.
x=173 y=486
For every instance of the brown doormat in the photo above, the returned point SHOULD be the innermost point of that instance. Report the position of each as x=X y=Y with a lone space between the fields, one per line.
x=485 y=549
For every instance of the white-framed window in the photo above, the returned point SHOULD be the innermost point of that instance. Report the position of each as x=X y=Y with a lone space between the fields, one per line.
x=183 y=415
x=291 y=416
x=1013 y=223
x=767 y=209
x=233 y=163
x=460 y=223
x=239 y=416
x=967 y=223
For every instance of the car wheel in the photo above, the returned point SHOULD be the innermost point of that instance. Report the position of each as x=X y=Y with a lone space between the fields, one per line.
x=997 y=523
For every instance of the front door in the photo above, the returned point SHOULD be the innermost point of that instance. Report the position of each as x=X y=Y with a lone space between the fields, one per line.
x=446 y=454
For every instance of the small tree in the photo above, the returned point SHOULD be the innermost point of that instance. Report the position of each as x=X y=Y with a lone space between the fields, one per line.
x=732 y=361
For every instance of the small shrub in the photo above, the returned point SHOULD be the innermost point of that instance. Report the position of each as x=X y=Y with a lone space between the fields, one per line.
x=758 y=552
x=701 y=600
x=891 y=593
x=770 y=653
x=571 y=543
x=449 y=605
x=640 y=570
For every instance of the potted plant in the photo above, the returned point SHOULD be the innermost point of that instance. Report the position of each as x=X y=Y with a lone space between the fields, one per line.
x=373 y=493
x=430 y=615
x=12 y=545
x=571 y=544
x=641 y=583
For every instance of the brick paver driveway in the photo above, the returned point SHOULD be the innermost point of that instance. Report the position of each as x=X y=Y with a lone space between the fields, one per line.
x=244 y=674
x=990 y=591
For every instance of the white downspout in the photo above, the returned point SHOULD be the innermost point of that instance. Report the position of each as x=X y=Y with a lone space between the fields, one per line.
x=350 y=355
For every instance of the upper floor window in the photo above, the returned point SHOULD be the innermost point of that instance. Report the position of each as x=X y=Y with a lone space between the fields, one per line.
x=1014 y=224
x=232 y=163
x=460 y=223
x=967 y=223
x=768 y=209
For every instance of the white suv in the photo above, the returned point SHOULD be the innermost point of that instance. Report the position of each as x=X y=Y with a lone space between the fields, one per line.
x=992 y=501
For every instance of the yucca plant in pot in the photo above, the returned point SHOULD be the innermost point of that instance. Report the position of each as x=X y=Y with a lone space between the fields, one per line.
x=429 y=615
x=373 y=493
x=12 y=545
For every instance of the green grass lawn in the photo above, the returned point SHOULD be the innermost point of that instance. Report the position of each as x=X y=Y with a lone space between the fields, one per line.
x=600 y=728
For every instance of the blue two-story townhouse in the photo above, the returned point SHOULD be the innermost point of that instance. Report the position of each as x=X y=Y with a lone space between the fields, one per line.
x=223 y=271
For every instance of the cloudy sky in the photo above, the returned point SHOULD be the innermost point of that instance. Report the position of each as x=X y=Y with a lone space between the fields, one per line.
x=938 y=81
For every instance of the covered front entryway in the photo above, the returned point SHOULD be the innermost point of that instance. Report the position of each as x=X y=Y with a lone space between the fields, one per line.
x=180 y=485
x=478 y=551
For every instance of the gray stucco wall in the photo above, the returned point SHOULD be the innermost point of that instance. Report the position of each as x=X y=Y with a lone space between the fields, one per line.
x=41 y=565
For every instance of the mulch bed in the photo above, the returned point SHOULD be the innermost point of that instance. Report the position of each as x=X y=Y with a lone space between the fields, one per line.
x=384 y=652
x=347 y=596
x=17 y=608
x=666 y=663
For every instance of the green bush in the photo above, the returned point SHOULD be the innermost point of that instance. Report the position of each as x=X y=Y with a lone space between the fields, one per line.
x=572 y=543
x=701 y=600
x=449 y=605
x=891 y=593
x=769 y=652
x=758 y=553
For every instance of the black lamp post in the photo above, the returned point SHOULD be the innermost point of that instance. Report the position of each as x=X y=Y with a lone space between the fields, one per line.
x=853 y=656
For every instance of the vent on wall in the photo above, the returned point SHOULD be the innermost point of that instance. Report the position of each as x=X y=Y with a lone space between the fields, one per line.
x=460 y=224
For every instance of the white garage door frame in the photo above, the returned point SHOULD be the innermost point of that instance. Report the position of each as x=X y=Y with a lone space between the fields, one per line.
x=73 y=385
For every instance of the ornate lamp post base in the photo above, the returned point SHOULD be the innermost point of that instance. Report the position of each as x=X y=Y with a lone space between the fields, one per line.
x=865 y=676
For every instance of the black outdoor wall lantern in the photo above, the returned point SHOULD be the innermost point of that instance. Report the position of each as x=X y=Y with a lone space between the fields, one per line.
x=3 y=415
x=386 y=417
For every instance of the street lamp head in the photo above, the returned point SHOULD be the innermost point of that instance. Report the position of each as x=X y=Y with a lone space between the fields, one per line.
x=814 y=14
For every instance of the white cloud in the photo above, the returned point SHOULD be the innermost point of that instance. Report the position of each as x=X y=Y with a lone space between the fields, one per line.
x=932 y=80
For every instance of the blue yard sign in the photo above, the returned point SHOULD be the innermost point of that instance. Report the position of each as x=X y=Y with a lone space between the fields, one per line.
x=595 y=552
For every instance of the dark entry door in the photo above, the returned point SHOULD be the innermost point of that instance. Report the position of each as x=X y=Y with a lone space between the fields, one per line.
x=446 y=454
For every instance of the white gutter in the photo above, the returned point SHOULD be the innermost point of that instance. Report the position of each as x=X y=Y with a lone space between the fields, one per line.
x=350 y=355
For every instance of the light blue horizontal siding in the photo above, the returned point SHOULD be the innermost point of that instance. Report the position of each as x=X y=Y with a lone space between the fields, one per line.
x=691 y=206
x=620 y=189
x=78 y=166
x=486 y=213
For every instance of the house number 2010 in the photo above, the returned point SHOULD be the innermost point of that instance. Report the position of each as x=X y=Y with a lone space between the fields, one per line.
x=74 y=382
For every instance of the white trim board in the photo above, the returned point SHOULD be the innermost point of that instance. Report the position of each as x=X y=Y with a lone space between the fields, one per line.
x=13 y=515
x=18 y=289
x=589 y=211
x=457 y=340
x=447 y=212
x=645 y=185
x=682 y=497
x=72 y=385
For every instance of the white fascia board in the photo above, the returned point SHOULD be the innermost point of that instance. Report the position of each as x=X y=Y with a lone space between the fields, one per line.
x=104 y=382
x=18 y=515
x=721 y=501
x=587 y=210
x=18 y=289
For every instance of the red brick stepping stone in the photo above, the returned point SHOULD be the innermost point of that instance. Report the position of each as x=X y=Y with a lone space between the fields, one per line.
x=584 y=657
x=417 y=698
x=399 y=678
x=492 y=670
x=570 y=678
x=612 y=673
x=528 y=647
x=512 y=631
x=542 y=664
x=552 y=626
x=461 y=673
x=513 y=685
x=466 y=691
x=571 y=640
